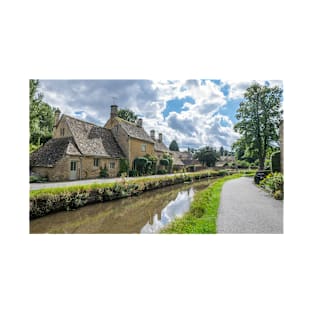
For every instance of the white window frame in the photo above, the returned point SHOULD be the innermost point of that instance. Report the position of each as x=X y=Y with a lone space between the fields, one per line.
x=96 y=162
x=112 y=165
x=143 y=147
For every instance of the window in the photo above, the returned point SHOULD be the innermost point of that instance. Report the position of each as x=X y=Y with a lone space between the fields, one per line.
x=112 y=164
x=62 y=132
x=143 y=147
x=95 y=162
x=73 y=165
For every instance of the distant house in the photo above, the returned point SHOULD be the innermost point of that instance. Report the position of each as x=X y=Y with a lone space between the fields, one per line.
x=225 y=159
x=186 y=160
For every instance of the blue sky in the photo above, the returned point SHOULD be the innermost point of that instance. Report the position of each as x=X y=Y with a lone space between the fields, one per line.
x=195 y=112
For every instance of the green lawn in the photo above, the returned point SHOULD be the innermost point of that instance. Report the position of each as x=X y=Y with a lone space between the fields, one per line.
x=201 y=219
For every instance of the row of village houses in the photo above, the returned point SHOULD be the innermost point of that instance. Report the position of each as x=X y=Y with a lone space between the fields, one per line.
x=78 y=149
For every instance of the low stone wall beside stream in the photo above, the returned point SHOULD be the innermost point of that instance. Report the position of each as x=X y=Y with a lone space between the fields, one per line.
x=64 y=200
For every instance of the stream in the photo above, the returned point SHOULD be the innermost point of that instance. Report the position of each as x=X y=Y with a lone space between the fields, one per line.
x=147 y=213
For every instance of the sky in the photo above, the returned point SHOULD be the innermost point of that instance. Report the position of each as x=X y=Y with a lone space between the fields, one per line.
x=195 y=113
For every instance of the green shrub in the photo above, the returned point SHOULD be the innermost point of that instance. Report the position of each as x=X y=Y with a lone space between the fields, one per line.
x=274 y=182
x=104 y=172
x=133 y=173
x=275 y=161
x=140 y=165
x=164 y=162
x=278 y=195
x=124 y=166
x=161 y=172
x=243 y=164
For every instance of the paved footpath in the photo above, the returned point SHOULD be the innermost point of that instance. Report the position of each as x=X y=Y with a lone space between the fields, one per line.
x=246 y=209
x=36 y=186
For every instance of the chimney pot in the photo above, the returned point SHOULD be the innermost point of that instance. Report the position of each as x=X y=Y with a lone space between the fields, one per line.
x=160 y=137
x=114 y=109
x=57 y=114
x=152 y=134
x=139 y=122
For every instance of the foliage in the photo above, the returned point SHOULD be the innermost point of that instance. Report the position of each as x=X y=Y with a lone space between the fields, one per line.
x=174 y=146
x=104 y=172
x=41 y=116
x=50 y=200
x=274 y=182
x=259 y=116
x=37 y=179
x=133 y=173
x=161 y=172
x=201 y=219
x=127 y=115
x=243 y=164
x=140 y=165
x=124 y=166
x=275 y=162
x=151 y=167
x=164 y=162
x=207 y=156
x=33 y=147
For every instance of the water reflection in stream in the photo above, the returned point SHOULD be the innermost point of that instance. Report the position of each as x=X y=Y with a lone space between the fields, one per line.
x=147 y=213
x=175 y=208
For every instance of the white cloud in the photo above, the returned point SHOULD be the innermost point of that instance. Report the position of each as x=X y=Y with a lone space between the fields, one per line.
x=197 y=125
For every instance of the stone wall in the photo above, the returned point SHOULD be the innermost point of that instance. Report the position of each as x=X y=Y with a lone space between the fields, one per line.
x=85 y=168
x=135 y=149
x=121 y=137
x=90 y=171
x=57 y=131
x=60 y=172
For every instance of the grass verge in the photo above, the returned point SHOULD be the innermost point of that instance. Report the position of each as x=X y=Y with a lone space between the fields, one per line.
x=201 y=219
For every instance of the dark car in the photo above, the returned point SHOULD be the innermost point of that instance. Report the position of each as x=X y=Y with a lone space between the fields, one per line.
x=259 y=175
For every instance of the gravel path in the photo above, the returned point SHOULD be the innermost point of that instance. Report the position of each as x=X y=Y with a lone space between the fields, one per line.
x=246 y=209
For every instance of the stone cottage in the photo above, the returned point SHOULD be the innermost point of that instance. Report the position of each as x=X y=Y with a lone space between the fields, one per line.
x=78 y=149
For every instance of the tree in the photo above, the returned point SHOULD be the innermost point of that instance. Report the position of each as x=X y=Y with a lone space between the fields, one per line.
x=259 y=116
x=221 y=151
x=41 y=116
x=174 y=146
x=127 y=115
x=207 y=156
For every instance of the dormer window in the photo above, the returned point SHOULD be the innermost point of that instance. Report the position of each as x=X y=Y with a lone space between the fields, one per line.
x=62 y=132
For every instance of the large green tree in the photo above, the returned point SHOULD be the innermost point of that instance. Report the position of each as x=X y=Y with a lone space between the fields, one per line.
x=41 y=116
x=127 y=115
x=174 y=146
x=259 y=115
x=207 y=156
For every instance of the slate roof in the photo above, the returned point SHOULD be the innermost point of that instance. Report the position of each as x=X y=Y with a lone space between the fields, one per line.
x=93 y=140
x=52 y=151
x=134 y=131
x=160 y=146
x=176 y=159
x=186 y=158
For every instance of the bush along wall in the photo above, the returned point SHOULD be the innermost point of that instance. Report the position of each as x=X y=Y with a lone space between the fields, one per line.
x=274 y=183
x=46 y=201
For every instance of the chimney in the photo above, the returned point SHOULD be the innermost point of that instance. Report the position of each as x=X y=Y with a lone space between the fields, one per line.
x=139 y=122
x=160 y=137
x=152 y=134
x=114 y=109
x=57 y=114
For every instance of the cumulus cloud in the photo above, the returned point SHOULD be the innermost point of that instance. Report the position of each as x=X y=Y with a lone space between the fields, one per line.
x=196 y=124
